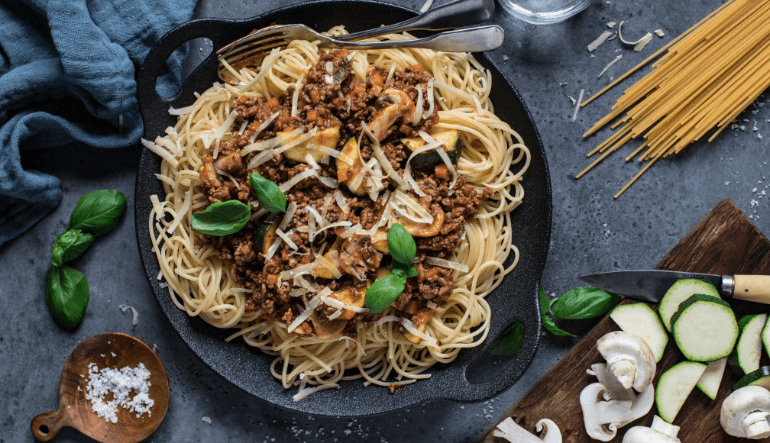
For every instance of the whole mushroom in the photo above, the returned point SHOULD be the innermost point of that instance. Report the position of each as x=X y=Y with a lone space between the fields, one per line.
x=630 y=358
x=744 y=413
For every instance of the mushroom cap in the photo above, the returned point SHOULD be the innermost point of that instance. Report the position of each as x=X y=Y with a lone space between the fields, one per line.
x=744 y=413
x=642 y=434
x=629 y=358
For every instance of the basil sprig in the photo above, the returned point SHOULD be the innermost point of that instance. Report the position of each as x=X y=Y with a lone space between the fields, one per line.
x=548 y=323
x=66 y=289
x=269 y=194
x=98 y=212
x=577 y=304
x=70 y=245
x=222 y=218
x=66 y=292
x=386 y=290
x=510 y=341
x=582 y=303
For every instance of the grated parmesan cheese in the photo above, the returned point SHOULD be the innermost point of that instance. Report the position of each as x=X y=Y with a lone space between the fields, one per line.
x=120 y=383
x=135 y=319
x=599 y=40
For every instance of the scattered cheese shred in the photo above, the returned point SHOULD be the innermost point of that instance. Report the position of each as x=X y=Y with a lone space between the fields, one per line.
x=291 y=209
x=206 y=419
x=163 y=153
x=577 y=107
x=426 y=6
x=610 y=64
x=295 y=96
x=220 y=132
x=462 y=267
x=599 y=40
x=285 y=186
x=285 y=237
x=135 y=313
x=314 y=302
x=660 y=33
x=264 y=125
x=643 y=42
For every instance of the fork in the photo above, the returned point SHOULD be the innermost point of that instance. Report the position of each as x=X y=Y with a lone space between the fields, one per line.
x=250 y=50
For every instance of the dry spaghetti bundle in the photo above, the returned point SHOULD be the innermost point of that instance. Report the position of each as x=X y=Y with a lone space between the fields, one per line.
x=704 y=79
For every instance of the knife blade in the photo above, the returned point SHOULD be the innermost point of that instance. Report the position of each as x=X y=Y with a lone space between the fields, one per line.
x=652 y=285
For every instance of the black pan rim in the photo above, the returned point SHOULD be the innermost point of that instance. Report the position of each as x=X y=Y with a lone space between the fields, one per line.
x=198 y=335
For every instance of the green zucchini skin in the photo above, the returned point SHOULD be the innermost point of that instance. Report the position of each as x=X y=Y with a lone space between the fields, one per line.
x=715 y=338
x=427 y=161
x=680 y=291
x=639 y=319
x=741 y=359
x=674 y=386
x=760 y=377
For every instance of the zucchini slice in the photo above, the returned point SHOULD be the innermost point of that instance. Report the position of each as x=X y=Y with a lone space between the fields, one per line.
x=328 y=138
x=675 y=386
x=705 y=328
x=711 y=379
x=640 y=320
x=745 y=356
x=427 y=161
x=766 y=337
x=679 y=292
x=760 y=377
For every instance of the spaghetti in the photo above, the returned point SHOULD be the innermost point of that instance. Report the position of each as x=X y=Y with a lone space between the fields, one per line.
x=704 y=79
x=390 y=349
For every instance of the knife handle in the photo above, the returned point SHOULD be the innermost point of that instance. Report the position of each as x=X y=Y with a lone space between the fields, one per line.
x=753 y=288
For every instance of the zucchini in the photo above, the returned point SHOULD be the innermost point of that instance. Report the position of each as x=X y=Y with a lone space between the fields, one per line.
x=640 y=320
x=679 y=292
x=328 y=138
x=711 y=379
x=427 y=161
x=674 y=386
x=704 y=328
x=745 y=356
x=760 y=377
x=766 y=337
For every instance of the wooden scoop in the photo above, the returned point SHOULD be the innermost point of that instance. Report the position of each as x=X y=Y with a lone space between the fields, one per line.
x=75 y=411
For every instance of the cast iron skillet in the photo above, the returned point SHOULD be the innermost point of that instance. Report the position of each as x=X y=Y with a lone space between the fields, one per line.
x=514 y=300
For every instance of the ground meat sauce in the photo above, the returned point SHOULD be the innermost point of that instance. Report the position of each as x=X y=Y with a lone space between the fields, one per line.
x=333 y=97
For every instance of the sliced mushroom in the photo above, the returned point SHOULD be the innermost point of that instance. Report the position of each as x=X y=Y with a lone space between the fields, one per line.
x=401 y=106
x=744 y=413
x=640 y=404
x=329 y=267
x=380 y=240
x=425 y=229
x=513 y=432
x=207 y=173
x=327 y=138
x=270 y=236
x=327 y=329
x=659 y=432
x=420 y=321
x=602 y=417
x=357 y=257
x=230 y=163
x=630 y=358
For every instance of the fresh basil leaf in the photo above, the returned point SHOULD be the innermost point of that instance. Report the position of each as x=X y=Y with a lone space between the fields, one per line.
x=399 y=270
x=384 y=292
x=98 y=212
x=269 y=194
x=66 y=292
x=582 y=303
x=544 y=306
x=553 y=329
x=69 y=245
x=553 y=302
x=259 y=236
x=401 y=245
x=510 y=341
x=412 y=272
x=222 y=218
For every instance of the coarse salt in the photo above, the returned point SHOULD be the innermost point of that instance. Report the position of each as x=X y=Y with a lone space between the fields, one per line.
x=120 y=383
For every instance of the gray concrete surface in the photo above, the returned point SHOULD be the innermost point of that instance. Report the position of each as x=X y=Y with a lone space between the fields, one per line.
x=591 y=232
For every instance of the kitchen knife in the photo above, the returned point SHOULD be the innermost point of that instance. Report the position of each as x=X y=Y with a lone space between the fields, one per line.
x=652 y=285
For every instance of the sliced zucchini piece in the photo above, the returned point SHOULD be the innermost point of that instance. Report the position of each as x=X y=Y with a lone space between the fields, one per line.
x=350 y=167
x=766 y=337
x=427 y=161
x=675 y=386
x=327 y=138
x=705 y=328
x=760 y=377
x=745 y=356
x=711 y=379
x=270 y=236
x=640 y=320
x=679 y=292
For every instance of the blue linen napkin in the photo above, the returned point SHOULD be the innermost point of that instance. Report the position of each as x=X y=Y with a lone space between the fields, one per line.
x=67 y=75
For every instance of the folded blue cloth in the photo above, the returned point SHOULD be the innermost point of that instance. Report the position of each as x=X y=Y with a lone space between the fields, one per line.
x=67 y=75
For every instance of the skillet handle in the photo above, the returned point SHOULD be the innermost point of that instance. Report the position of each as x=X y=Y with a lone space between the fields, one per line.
x=148 y=73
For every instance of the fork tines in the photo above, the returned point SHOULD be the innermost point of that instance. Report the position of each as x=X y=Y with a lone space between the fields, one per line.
x=253 y=44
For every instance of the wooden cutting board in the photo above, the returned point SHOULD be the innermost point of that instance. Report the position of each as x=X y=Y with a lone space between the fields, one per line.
x=724 y=242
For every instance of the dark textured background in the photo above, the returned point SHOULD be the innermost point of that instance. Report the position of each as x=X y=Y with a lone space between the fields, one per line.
x=592 y=232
